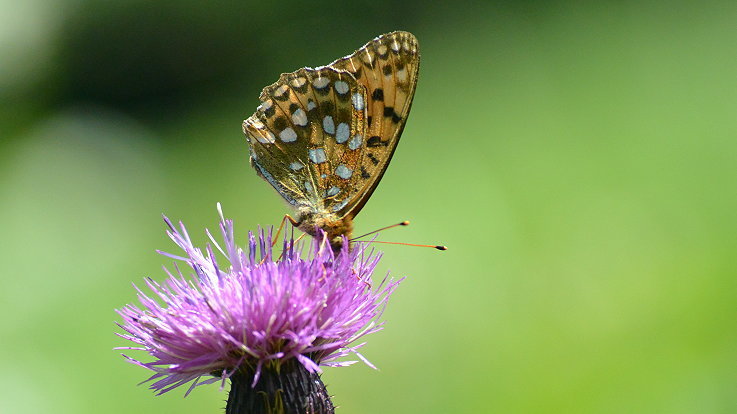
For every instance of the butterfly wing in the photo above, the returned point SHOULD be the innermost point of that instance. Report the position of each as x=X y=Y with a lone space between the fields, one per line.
x=323 y=137
x=306 y=134
x=387 y=68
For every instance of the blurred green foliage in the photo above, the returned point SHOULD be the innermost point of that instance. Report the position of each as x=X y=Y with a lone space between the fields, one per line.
x=578 y=158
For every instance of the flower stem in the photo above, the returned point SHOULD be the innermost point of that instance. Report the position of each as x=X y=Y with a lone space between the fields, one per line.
x=290 y=389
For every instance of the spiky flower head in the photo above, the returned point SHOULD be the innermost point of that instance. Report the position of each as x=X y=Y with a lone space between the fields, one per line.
x=255 y=311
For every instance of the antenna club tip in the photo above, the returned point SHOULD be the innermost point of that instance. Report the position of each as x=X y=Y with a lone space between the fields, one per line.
x=441 y=247
x=404 y=223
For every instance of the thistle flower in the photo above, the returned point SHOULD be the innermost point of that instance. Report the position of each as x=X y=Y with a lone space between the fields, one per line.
x=265 y=323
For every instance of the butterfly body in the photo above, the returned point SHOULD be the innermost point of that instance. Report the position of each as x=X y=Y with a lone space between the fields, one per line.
x=323 y=137
x=335 y=227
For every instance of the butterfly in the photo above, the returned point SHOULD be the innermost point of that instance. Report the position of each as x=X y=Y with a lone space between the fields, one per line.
x=323 y=137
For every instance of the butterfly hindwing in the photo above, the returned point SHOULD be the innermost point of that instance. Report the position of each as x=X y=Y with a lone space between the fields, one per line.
x=306 y=136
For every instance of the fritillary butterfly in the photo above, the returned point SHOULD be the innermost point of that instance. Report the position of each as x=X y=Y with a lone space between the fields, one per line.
x=323 y=137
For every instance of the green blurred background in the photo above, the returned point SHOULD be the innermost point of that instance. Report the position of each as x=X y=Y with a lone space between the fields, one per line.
x=578 y=158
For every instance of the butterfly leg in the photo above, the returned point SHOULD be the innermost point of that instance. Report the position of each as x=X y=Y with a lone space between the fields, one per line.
x=275 y=239
x=294 y=222
x=293 y=243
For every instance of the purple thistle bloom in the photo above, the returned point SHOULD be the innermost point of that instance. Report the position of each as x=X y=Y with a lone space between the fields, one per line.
x=255 y=313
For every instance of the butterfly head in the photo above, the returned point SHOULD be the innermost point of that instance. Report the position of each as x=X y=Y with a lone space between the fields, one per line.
x=334 y=227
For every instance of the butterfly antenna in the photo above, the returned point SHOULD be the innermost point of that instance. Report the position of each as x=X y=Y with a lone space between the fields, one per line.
x=404 y=223
x=406 y=244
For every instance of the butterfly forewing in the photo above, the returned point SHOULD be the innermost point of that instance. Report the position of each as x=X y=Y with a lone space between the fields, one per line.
x=387 y=66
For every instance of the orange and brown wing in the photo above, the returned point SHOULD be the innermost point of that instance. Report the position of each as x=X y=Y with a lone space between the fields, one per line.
x=387 y=67
x=302 y=137
x=324 y=137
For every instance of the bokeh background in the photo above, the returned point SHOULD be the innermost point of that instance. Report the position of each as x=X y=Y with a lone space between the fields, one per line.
x=578 y=158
